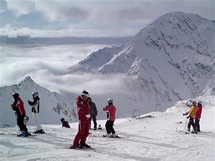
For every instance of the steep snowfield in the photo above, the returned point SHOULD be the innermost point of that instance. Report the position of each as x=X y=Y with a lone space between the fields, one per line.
x=148 y=139
x=169 y=60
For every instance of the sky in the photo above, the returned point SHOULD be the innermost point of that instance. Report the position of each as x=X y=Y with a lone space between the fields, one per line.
x=90 y=18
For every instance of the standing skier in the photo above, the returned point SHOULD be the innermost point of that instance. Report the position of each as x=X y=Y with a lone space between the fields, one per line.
x=192 y=115
x=111 y=114
x=93 y=113
x=35 y=112
x=18 y=106
x=198 y=116
x=83 y=110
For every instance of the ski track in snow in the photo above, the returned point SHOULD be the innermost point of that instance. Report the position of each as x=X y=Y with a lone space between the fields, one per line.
x=148 y=139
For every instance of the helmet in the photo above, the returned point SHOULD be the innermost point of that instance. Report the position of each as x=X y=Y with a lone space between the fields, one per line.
x=200 y=102
x=15 y=95
x=35 y=94
x=110 y=101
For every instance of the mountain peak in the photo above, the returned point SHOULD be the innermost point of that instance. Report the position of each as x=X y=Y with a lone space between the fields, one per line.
x=178 y=29
x=28 y=78
x=27 y=81
x=170 y=58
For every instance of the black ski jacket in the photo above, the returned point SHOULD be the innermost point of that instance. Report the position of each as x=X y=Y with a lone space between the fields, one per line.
x=35 y=105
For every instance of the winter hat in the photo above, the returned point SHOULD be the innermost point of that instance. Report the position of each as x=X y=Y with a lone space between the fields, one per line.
x=15 y=95
x=110 y=101
x=194 y=103
x=200 y=103
x=85 y=93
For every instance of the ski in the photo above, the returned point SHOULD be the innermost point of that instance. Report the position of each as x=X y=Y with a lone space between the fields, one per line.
x=18 y=135
x=84 y=149
x=111 y=136
x=185 y=132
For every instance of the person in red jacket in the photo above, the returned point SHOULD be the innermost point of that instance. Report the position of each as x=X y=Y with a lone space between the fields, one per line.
x=111 y=116
x=18 y=106
x=83 y=110
x=198 y=116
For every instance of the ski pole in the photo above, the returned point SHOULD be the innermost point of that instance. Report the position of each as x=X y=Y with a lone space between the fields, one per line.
x=92 y=139
x=185 y=124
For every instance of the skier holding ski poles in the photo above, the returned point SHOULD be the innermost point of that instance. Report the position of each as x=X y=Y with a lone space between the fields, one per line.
x=83 y=109
x=191 y=116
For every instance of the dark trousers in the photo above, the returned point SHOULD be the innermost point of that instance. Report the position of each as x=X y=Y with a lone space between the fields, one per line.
x=93 y=117
x=109 y=127
x=20 y=123
x=191 y=122
x=197 y=120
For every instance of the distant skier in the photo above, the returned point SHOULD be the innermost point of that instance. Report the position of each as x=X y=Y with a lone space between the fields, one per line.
x=93 y=113
x=65 y=123
x=83 y=110
x=18 y=106
x=111 y=114
x=35 y=112
x=192 y=115
x=198 y=116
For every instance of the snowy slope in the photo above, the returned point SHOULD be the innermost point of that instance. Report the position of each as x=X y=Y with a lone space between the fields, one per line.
x=171 y=59
x=53 y=105
x=147 y=139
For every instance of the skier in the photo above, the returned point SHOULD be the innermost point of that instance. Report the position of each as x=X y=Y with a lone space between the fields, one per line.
x=93 y=113
x=198 y=116
x=35 y=112
x=83 y=110
x=111 y=112
x=18 y=106
x=192 y=115
x=65 y=123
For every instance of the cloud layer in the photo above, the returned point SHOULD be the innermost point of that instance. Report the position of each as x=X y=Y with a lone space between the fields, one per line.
x=91 y=18
x=47 y=65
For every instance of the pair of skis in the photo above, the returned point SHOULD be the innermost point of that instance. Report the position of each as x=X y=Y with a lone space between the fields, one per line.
x=186 y=132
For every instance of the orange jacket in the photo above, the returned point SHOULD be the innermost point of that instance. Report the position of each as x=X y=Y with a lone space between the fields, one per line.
x=192 y=112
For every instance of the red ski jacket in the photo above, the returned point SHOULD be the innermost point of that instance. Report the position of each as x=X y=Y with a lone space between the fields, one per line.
x=199 y=111
x=83 y=108
x=111 y=109
x=18 y=106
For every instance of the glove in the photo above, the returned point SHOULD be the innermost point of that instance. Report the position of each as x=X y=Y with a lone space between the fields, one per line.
x=88 y=116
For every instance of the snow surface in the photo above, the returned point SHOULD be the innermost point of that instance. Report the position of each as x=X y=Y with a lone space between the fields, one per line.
x=148 y=139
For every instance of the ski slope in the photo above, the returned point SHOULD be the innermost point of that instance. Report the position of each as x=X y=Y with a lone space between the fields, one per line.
x=148 y=139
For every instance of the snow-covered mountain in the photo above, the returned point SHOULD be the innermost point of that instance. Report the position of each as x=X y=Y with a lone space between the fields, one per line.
x=53 y=105
x=172 y=58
